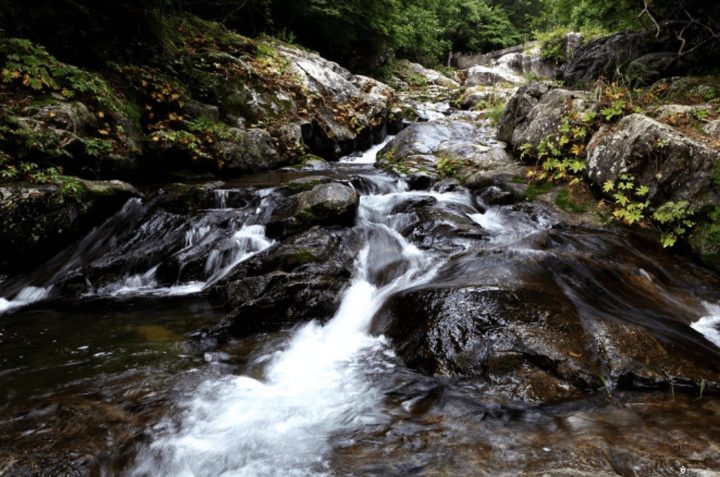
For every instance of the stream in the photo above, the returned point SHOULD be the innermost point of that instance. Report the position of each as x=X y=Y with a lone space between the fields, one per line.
x=109 y=366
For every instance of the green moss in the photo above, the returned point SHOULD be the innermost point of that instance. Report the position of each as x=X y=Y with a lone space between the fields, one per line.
x=302 y=257
x=568 y=203
x=705 y=239
x=716 y=174
x=301 y=185
x=535 y=190
x=448 y=166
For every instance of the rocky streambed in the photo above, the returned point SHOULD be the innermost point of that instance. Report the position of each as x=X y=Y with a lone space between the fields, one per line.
x=403 y=311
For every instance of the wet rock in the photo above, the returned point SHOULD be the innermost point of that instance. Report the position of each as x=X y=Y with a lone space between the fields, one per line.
x=576 y=313
x=674 y=166
x=437 y=229
x=498 y=335
x=40 y=220
x=295 y=281
x=324 y=204
x=518 y=60
x=184 y=198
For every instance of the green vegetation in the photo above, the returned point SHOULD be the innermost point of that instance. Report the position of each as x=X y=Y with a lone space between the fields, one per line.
x=559 y=160
x=448 y=166
x=552 y=42
x=568 y=201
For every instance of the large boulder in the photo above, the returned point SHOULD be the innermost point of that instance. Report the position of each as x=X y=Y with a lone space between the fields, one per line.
x=297 y=280
x=486 y=75
x=415 y=74
x=604 y=56
x=442 y=148
x=325 y=204
x=536 y=111
x=558 y=321
x=712 y=129
x=674 y=166
x=40 y=220
x=652 y=66
x=250 y=150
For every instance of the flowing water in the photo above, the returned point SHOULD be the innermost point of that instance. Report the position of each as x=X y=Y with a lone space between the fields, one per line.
x=98 y=375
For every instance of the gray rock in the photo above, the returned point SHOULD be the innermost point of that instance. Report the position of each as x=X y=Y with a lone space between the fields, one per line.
x=537 y=111
x=674 y=166
x=72 y=117
x=651 y=67
x=518 y=108
x=603 y=57
x=251 y=150
x=325 y=204
x=421 y=147
x=713 y=128
x=409 y=72
x=485 y=76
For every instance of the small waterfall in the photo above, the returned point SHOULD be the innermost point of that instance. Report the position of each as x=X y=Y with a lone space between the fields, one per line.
x=245 y=243
x=709 y=325
x=221 y=197
x=142 y=241
x=319 y=384
x=366 y=157
x=25 y=297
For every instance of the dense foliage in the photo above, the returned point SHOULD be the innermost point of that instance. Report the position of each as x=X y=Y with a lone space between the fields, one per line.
x=346 y=30
x=361 y=34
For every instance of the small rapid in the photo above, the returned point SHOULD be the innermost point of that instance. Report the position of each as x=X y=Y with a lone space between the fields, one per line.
x=318 y=384
x=146 y=251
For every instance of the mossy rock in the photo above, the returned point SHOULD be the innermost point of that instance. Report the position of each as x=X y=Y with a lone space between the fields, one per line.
x=705 y=241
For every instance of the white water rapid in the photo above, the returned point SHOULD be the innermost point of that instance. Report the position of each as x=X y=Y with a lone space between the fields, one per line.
x=319 y=384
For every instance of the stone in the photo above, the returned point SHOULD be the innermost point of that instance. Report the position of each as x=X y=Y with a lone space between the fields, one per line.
x=674 y=166
x=712 y=129
x=297 y=280
x=412 y=73
x=555 y=323
x=250 y=150
x=537 y=111
x=40 y=220
x=603 y=56
x=652 y=67
x=324 y=204
x=486 y=76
